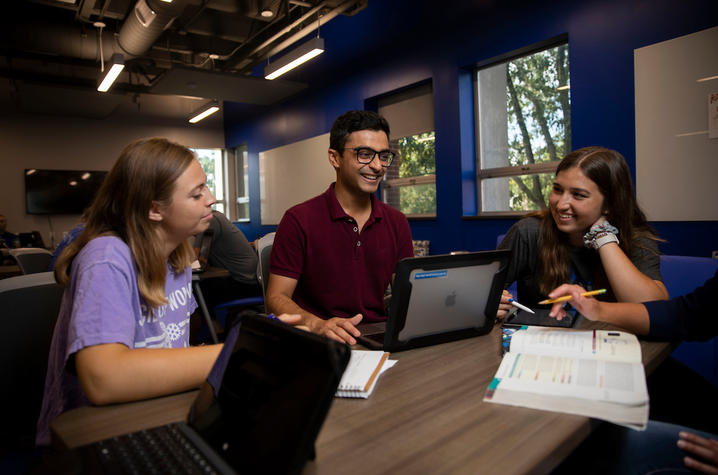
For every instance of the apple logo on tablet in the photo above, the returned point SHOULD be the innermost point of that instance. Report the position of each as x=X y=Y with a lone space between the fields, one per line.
x=450 y=299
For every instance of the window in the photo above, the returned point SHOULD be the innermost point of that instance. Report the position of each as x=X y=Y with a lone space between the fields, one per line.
x=523 y=127
x=212 y=161
x=410 y=182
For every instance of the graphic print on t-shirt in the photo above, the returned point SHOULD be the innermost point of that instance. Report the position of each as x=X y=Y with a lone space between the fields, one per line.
x=166 y=326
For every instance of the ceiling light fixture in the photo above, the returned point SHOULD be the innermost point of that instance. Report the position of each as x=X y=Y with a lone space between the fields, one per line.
x=265 y=9
x=117 y=65
x=205 y=111
x=291 y=60
x=709 y=78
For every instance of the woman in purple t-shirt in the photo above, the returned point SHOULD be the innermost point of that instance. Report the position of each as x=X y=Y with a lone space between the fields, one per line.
x=123 y=328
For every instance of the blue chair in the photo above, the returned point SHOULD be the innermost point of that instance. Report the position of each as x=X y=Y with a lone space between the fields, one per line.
x=682 y=274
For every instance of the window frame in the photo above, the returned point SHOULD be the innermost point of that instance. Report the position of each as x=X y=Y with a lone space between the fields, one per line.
x=508 y=171
x=237 y=167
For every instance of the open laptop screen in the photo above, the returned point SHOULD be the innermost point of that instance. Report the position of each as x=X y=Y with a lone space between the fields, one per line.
x=268 y=394
x=442 y=298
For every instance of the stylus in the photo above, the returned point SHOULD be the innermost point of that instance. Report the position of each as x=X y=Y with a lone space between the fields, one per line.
x=522 y=307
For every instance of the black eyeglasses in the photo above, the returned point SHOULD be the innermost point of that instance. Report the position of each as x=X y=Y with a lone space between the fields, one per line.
x=366 y=155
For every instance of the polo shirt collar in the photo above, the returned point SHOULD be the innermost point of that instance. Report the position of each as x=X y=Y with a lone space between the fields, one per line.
x=337 y=212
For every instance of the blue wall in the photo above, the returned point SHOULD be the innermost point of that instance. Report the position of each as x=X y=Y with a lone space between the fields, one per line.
x=395 y=43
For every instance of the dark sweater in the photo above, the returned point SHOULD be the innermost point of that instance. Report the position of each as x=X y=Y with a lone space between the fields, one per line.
x=690 y=317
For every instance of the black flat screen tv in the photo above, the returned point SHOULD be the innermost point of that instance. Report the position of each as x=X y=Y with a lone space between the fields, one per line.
x=60 y=191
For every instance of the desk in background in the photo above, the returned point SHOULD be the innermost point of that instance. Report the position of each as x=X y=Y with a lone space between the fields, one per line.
x=426 y=415
x=9 y=271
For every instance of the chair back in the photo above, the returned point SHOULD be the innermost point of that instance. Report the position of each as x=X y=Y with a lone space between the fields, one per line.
x=32 y=260
x=30 y=304
x=264 y=251
x=681 y=275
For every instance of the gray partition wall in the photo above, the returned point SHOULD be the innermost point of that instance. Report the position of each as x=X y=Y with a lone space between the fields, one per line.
x=676 y=160
x=291 y=174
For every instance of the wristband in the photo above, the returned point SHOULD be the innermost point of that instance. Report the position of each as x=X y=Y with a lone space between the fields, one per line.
x=603 y=240
x=601 y=231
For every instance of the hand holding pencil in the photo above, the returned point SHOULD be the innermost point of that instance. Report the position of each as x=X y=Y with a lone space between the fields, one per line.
x=580 y=300
x=569 y=297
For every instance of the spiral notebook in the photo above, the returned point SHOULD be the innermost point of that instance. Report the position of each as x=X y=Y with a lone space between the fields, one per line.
x=362 y=373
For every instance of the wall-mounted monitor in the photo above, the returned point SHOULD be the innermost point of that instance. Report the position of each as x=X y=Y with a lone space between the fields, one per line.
x=60 y=191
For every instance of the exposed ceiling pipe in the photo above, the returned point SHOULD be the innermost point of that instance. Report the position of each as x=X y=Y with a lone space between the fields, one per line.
x=295 y=37
x=64 y=40
x=145 y=23
x=305 y=31
x=133 y=40
x=275 y=37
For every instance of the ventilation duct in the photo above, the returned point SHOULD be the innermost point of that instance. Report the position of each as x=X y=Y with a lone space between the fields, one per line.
x=146 y=23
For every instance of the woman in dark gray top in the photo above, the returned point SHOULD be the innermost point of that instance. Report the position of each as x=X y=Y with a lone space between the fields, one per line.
x=593 y=234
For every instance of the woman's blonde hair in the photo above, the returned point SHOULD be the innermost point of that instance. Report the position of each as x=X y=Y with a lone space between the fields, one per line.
x=609 y=171
x=145 y=172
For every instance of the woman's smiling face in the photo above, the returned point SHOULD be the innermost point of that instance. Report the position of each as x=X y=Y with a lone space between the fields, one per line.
x=576 y=203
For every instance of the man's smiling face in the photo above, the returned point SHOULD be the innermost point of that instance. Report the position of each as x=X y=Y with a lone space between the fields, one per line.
x=355 y=176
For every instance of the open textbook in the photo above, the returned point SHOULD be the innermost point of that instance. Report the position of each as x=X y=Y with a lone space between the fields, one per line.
x=596 y=373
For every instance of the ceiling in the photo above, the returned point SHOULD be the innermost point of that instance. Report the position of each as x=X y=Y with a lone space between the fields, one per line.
x=177 y=54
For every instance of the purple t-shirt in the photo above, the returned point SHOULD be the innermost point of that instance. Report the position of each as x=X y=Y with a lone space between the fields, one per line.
x=102 y=304
x=340 y=271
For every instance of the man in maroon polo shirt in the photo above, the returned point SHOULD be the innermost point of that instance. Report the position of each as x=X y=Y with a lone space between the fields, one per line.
x=334 y=255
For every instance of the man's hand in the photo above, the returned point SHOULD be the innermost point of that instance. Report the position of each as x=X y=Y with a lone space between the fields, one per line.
x=337 y=328
x=504 y=305
x=704 y=449
x=293 y=319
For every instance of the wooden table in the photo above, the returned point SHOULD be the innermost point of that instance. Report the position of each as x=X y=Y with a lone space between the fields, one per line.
x=426 y=415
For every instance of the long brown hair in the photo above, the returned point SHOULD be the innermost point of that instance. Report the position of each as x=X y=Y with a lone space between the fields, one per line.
x=145 y=172
x=609 y=171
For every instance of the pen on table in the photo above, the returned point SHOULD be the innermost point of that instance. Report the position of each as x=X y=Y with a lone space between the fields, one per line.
x=568 y=297
x=518 y=305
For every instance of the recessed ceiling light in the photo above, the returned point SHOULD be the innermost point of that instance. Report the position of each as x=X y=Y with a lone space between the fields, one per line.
x=267 y=13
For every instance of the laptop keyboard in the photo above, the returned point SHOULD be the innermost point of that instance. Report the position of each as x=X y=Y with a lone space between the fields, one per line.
x=158 y=450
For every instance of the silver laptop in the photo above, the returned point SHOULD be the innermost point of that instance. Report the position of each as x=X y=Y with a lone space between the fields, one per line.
x=442 y=298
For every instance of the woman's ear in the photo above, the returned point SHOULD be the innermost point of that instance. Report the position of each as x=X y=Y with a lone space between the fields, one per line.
x=155 y=212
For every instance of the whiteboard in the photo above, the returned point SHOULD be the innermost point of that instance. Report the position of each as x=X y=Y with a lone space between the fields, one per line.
x=676 y=161
x=291 y=174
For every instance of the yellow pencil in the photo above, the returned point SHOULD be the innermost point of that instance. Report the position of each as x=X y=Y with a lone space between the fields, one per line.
x=568 y=297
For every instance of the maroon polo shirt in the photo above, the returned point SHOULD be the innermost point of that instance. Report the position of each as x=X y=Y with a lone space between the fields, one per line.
x=340 y=271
